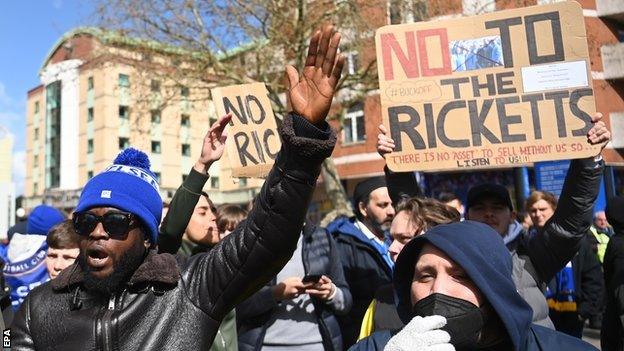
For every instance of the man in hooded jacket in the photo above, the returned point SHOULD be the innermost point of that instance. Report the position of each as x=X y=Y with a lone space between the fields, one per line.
x=537 y=258
x=455 y=292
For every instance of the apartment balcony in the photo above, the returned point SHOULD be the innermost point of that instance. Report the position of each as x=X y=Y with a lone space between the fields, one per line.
x=611 y=9
x=613 y=60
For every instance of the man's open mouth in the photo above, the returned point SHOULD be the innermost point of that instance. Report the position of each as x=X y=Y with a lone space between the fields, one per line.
x=97 y=257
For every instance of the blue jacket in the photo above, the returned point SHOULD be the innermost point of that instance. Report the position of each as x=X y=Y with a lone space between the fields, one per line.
x=481 y=252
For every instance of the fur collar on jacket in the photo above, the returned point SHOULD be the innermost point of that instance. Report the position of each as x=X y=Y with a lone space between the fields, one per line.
x=156 y=268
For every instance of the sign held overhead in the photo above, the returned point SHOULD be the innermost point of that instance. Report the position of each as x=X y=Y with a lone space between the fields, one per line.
x=495 y=90
x=253 y=141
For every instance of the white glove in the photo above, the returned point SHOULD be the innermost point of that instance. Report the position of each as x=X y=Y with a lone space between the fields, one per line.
x=422 y=334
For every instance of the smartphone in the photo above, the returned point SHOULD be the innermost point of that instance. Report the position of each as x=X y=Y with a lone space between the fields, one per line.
x=311 y=278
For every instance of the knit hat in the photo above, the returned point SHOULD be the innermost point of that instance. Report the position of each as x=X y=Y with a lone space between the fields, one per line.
x=42 y=218
x=128 y=185
x=365 y=187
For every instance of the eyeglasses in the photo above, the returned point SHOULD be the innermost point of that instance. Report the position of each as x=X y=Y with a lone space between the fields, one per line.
x=116 y=224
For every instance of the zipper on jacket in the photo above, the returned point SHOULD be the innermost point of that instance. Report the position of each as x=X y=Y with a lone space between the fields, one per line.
x=107 y=328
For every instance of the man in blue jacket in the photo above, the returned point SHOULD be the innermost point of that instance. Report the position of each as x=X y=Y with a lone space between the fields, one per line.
x=455 y=292
x=363 y=244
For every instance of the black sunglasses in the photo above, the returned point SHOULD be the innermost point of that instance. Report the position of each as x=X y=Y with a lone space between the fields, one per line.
x=116 y=224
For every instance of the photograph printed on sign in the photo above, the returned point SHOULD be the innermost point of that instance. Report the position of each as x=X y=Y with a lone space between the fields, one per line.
x=472 y=54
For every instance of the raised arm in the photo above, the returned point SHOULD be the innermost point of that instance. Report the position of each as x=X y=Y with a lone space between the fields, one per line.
x=187 y=195
x=401 y=185
x=561 y=236
x=260 y=246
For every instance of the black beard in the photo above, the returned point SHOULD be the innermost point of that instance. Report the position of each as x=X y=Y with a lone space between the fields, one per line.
x=122 y=271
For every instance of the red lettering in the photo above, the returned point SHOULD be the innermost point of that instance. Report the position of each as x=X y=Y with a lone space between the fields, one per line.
x=409 y=62
x=426 y=69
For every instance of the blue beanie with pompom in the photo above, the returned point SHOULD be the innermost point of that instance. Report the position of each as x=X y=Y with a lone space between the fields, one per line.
x=128 y=185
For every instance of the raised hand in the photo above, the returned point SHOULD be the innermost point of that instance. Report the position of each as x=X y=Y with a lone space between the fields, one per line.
x=214 y=144
x=311 y=93
x=598 y=134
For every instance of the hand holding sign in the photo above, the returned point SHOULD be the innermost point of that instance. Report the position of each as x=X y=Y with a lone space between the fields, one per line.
x=385 y=144
x=598 y=134
x=311 y=94
x=214 y=144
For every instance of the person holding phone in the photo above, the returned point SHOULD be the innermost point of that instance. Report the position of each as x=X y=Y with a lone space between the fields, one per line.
x=297 y=309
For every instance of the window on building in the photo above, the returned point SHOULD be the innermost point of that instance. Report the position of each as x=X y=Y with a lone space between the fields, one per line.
x=185 y=92
x=408 y=11
x=214 y=182
x=124 y=143
x=89 y=174
x=185 y=121
x=35 y=188
x=90 y=114
x=90 y=146
x=35 y=160
x=186 y=149
x=90 y=83
x=242 y=182
x=124 y=81
x=124 y=112
x=36 y=106
x=36 y=133
x=353 y=62
x=155 y=147
x=155 y=86
x=354 y=126
x=155 y=116
x=157 y=174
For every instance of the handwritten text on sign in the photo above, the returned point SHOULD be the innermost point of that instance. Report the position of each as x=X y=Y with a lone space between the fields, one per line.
x=494 y=90
x=253 y=141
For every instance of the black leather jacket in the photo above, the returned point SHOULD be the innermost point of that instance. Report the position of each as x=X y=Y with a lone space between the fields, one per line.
x=172 y=303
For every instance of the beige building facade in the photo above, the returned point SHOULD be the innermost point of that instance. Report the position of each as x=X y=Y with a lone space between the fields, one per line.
x=94 y=101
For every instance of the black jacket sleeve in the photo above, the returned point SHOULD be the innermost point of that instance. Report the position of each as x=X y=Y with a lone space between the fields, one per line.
x=591 y=281
x=180 y=211
x=557 y=243
x=336 y=274
x=258 y=304
x=260 y=246
x=401 y=185
x=614 y=274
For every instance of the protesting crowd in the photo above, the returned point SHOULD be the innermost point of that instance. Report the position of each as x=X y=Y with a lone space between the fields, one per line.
x=407 y=272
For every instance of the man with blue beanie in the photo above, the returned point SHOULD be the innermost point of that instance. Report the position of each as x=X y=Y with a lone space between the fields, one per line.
x=24 y=261
x=455 y=292
x=122 y=295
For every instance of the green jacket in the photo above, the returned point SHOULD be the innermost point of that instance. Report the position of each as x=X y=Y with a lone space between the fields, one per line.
x=170 y=241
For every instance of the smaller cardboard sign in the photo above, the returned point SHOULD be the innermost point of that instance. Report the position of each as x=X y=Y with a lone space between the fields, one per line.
x=253 y=141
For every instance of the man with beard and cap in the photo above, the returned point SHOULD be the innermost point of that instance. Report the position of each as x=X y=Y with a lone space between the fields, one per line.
x=363 y=244
x=122 y=295
x=612 y=333
x=455 y=292
x=538 y=257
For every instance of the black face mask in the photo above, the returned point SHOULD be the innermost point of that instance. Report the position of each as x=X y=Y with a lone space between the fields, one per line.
x=464 y=320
